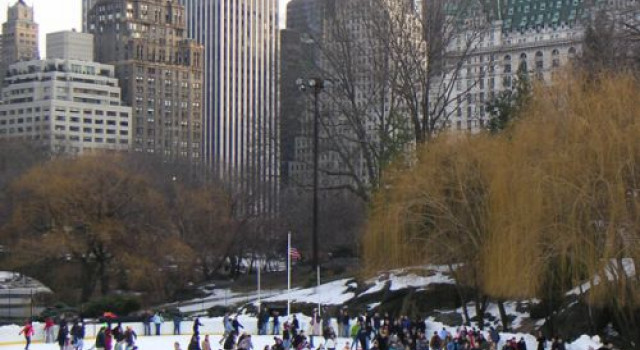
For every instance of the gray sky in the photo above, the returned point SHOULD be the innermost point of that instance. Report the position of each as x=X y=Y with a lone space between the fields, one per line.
x=57 y=15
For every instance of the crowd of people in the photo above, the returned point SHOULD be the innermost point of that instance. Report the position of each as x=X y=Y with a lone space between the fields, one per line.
x=68 y=338
x=366 y=331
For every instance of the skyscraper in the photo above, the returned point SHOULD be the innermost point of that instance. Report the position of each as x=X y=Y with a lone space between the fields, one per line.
x=86 y=6
x=19 y=36
x=159 y=69
x=240 y=39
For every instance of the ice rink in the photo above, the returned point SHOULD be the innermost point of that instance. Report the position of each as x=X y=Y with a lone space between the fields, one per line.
x=165 y=342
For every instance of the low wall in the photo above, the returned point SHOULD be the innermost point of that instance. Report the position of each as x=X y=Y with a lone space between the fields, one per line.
x=9 y=334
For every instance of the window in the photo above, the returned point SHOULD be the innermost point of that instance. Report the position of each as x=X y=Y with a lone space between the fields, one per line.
x=555 y=60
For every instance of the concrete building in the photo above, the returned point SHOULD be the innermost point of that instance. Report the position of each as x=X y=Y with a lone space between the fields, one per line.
x=19 y=36
x=70 y=45
x=159 y=69
x=240 y=39
x=68 y=105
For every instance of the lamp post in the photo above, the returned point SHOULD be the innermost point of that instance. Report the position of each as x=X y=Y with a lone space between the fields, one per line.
x=316 y=85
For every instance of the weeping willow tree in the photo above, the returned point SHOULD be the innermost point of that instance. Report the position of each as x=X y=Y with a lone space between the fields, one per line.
x=549 y=204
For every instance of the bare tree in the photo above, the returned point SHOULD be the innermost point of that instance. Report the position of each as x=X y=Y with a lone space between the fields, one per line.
x=394 y=70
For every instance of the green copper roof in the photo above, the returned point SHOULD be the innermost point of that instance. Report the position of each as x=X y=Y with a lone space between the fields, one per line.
x=525 y=14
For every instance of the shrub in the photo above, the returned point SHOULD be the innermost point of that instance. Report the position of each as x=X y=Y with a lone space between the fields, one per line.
x=120 y=305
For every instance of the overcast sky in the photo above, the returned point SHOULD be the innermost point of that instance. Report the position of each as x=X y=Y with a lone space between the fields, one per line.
x=57 y=15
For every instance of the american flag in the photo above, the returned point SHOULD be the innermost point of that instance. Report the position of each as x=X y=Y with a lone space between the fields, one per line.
x=295 y=254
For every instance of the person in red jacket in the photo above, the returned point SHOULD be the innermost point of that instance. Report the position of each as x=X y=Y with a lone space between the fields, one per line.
x=48 y=330
x=108 y=339
x=27 y=330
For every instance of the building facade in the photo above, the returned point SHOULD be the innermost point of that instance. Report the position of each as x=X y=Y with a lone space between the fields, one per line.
x=535 y=39
x=19 y=36
x=86 y=6
x=240 y=39
x=69 y=106
x=70 y=45
x=159 y=69
x=357 y=106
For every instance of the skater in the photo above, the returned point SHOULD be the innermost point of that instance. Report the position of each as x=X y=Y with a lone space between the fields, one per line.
x=48 y=330
x=177 y=320
x=146 y=322
x=295 y=326
x=542 y=341
x=206 y=345
x=157 y=321
x=67 y=344
x=108 y=338
x=276 y=323
x=118 y=333
x=100 y=339
x=130 y=337
x=344 y=321
x=28 y=332
x=228 y=327
x=363 y=337
x=230 y=341
x=197 y=325
x=245 y=343
x=194 y=344
x=236 y=324
x=63 y=333
x=522 y=345
x=77 y=333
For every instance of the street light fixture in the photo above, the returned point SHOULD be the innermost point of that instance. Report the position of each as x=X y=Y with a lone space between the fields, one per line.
x=316 y=85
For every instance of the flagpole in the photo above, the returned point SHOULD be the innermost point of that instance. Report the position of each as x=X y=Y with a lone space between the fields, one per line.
x=289 y=274
x=318 y=289
x=259 y=289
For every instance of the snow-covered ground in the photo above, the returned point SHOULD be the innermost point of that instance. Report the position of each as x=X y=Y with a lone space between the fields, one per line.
x=415 y=277
x=331 y=293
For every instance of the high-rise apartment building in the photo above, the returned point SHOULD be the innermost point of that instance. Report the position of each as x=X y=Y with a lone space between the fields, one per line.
x=19 y=36
x=68 y=105
x=240 y=39
x=159 y=69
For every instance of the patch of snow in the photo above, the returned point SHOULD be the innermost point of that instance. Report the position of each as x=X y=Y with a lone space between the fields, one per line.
x=409 y=278
x=373 y=305
x=415 y=281
x=6 y=276
x=332 y=293
x=611 y=271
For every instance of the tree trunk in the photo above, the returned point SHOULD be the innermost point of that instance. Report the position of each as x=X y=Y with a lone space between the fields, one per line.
x=88 y=281
x=463 y=299
x=479 y=312
x=503 y=316
x=465 y=312
x=103 y=274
